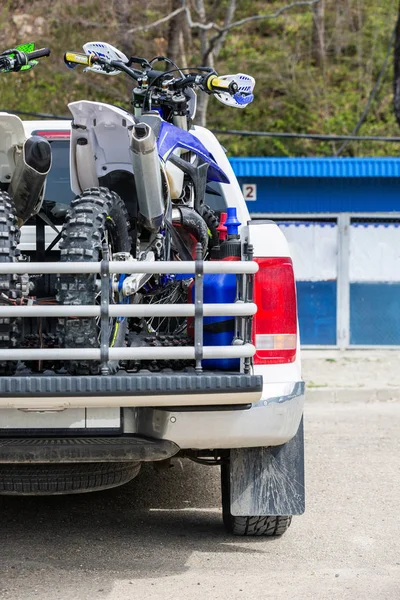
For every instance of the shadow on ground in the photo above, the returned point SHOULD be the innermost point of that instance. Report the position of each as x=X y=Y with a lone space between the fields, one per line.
x=147 y=528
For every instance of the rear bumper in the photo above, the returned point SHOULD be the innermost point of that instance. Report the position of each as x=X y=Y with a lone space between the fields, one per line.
x=84 y=450
x=58 y=392
x=272 y=421
x=182 y=414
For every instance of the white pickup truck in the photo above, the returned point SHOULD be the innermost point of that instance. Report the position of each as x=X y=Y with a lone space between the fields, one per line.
x=62 y=433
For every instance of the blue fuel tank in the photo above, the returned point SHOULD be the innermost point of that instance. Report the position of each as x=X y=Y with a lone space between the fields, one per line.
x=219 y=331
x=221 y=289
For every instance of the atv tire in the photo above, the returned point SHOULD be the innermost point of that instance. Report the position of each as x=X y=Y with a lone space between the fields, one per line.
x=97 y=213
x=10 y=328
x=212 y=222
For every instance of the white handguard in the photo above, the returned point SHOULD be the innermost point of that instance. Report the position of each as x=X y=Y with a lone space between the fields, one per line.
x=104 y=50
x=243 y=96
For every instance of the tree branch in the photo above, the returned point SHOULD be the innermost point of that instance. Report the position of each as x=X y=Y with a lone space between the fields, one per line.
x=227 y=26
x=222 y=31
x=230 y=13
x=271 y=15
x=165 y=19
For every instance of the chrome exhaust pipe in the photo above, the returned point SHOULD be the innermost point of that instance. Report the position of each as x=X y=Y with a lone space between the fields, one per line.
x=147 y=172
x=27 y=182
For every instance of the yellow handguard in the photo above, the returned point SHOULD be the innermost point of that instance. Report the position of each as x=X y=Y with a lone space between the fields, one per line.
x=72 y=59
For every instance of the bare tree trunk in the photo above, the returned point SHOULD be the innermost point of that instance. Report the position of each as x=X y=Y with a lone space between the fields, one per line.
x=318 y=33
x=201 y=111
x=123 y=13
x=396 y=86
x=176 y=45
x=202 y=99
x=209 y=52
x=229 y=16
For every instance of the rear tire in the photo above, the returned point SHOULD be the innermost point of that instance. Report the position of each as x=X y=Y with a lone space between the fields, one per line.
x=212 y=223
x=269 y=526
x=93 y=215
x=57 y=479
x=10 y=329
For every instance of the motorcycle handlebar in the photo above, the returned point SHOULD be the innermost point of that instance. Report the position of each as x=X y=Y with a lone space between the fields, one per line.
x=215 y=84
x=42 y=52
x=210 y=82
x=73 y=59
x=16 y=59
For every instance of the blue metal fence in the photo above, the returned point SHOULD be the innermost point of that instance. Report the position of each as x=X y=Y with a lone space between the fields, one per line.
x=366 y=284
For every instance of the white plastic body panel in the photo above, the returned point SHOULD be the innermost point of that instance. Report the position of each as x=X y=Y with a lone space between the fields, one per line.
x=100 y=418
x=268 y=240
x=59 y=125
x=106 y=129
x=28 y=238
x=104 y=50
x=244 y=95
x=175 y=177
x=232 y=190
x=12 y=137
x=85 y=167
x=71 y=418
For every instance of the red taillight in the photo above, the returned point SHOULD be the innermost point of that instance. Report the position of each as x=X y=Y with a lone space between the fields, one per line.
x=60 y=134
x=275 y=324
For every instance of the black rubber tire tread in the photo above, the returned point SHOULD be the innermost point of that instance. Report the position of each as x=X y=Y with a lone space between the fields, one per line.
x=268 y=526
x=257 y=526
x=87 y=220
x=212 y=222
x=56 y=479
x=10 y=329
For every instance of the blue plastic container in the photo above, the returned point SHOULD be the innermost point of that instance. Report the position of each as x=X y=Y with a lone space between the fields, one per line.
x=219 y=331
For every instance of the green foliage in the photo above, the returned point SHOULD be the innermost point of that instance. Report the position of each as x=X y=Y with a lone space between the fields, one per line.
x=293 y=93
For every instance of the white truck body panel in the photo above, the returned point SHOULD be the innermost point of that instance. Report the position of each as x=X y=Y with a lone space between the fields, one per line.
x=271 y=420
x=12 y=137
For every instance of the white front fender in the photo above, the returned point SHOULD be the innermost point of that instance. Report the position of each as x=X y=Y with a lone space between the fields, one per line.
x=12 y=137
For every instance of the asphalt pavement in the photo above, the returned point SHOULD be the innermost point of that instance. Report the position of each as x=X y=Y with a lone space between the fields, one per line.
x=352 y=375
x=161 y=536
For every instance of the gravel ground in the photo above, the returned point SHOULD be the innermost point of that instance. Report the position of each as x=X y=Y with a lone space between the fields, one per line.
x=161 y=537
x=357 y=370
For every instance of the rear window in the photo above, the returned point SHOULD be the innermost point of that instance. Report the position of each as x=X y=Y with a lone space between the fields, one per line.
x=58 y=188
x=215 y=197
x=58 y=193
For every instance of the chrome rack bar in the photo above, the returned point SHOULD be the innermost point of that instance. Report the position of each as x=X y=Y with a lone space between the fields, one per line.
x=248 y=299
x=241 y=309
x=128 y=310
x=124 y=353
x=198 y=308
x=127 y=267
x=104 y=312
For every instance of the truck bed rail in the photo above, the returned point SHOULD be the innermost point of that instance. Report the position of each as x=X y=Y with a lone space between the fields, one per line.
x=242 y=309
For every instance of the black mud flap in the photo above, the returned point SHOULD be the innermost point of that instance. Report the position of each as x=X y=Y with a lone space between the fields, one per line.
x=268 y=481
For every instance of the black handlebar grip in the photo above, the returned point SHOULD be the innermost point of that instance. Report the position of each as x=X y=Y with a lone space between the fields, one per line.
x=38 y=54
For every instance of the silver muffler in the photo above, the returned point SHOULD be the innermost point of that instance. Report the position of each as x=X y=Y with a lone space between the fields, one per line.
x=147 y=172
x=27 y=182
